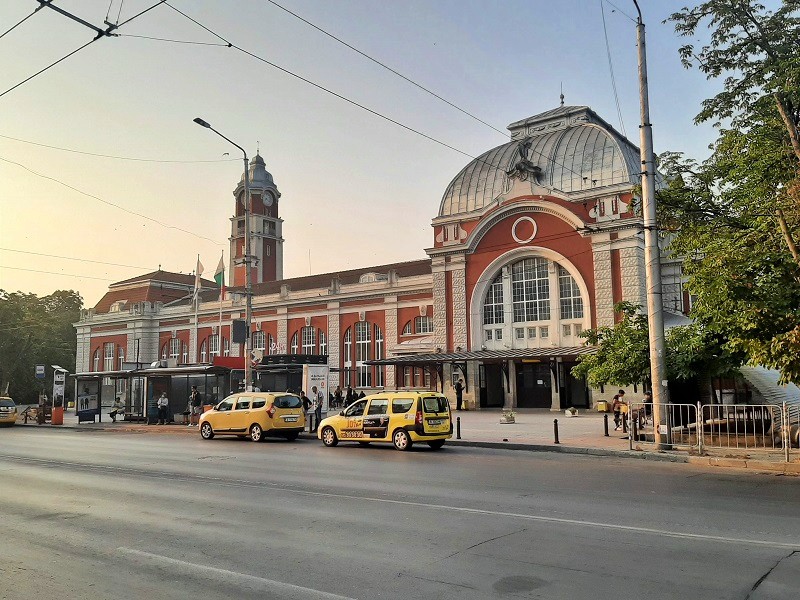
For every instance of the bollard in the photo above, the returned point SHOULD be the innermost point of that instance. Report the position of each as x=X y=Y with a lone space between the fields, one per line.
x=625 y=423
x=635 y=429
x=458 y=428
x=605 y=424
x=555 y=431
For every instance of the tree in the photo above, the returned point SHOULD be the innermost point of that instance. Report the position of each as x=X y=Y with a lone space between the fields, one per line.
x=36 y=331
x=623 y=352
x=735 y=217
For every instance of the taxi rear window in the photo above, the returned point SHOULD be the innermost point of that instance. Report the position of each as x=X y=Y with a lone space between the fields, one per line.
x=401 y=405
x=435 y=404
x=287 y=402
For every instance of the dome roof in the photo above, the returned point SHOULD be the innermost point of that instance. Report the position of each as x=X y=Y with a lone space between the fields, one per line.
x=569 y=149
x=259 y=176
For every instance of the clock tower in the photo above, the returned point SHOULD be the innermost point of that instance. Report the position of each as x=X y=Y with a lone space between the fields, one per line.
x=266 y=241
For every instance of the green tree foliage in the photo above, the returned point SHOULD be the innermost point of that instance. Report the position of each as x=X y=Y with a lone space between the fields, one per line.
x=33 y=331
x=623 y=356
x=735 y=217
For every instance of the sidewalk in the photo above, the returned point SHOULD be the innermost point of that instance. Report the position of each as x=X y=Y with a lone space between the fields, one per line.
x=532 y=431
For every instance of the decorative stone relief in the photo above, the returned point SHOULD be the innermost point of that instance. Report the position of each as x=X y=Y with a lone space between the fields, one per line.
x=333 y=347
x=282 y=326
x=460 y=307
x=633 y=275
x=603 y=291
x=390 y=341
x=440 y=308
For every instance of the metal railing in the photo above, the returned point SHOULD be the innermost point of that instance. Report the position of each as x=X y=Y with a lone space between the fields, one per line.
x=742 y=427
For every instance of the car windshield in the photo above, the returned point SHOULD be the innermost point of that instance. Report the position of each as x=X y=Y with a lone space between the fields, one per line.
x=7 y=403
x=435 y=404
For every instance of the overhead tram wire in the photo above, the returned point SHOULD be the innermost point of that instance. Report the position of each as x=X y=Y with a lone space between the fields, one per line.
x=90 y=42
x=18 y=23
x=387 y=67
x=356 y=104
x=56 y=273
x=611 y=70
x=85 y=260
x=120 y=207
x=132 y=158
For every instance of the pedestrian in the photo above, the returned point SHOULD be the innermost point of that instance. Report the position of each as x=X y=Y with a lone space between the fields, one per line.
x=163 y=405
x=337 y=397
x=617 y=405
x=459 y=393
x=361 y=395
x=319 y=400
x=348 y=399
x=308 y=409
x=116 y=408
x=195 y=402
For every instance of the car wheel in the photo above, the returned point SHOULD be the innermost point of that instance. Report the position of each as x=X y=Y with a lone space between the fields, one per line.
x=401 y=440
x=255 y=433
x=206 y=432
x=292 y=436
x=436 y=444
x=329 y=437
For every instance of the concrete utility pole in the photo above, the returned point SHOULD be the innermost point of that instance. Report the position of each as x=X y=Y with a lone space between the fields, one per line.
x=248 y=307
x=652 y=254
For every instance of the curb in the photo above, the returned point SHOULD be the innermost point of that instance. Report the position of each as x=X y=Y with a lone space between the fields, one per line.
x=654 y=456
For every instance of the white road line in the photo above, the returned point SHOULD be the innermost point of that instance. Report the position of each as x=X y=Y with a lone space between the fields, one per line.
x=446 y=507
x=286 y=591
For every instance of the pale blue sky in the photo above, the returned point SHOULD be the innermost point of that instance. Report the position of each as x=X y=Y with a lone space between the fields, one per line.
x=357 y=190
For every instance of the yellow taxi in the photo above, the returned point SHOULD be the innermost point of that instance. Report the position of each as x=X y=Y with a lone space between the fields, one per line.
x=399 y=418
x=255 y=415
x=8 y=411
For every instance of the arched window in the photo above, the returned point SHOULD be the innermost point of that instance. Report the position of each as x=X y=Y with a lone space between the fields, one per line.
x=165 y=351
x=323 y=343
x=493 y=304
x=530 y=290
x=363 y=344
x=203 y=351
x=96 y=360
x=273 y=347
x=423 y=325
x=569 y=295
x=259 y=340
x=174 y=348
x=294 y=344
x=309 y=343
x=185 y=353
x=120 y=357
x=226 y=347
x=407 y=329
x=347 y=355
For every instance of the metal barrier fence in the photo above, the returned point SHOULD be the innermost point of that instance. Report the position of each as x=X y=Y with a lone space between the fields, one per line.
x=750 y=427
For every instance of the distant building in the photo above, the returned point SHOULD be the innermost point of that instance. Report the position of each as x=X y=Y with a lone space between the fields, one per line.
x=534 y=241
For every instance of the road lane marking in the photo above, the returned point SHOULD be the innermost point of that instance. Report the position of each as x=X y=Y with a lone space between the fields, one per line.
x=410 y=503
x=286 y=591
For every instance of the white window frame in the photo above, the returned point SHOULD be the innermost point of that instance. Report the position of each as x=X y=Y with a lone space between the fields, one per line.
x=213 y=346
x=363 y=334
x=294 y=346
x=308 y=339
x=323 y=343
x=108 y=356
x=423 y=324
x=259 y=340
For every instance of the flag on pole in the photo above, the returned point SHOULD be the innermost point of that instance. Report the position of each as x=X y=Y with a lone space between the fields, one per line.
x=219 y=277
x=198 y=272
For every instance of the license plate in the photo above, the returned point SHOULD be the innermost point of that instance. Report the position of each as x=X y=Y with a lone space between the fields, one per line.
x=434 y=421
x=290 y=419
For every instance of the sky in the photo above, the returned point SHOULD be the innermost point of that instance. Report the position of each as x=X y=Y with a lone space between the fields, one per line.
x=357 y=190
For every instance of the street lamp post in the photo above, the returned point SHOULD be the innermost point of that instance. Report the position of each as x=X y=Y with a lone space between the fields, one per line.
x=248 y=307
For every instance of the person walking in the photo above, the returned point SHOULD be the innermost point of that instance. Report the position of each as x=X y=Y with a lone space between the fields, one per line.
x=459 y=393
x=617 y=406
x=309 y=410
x=319 y=399
x=162 y=404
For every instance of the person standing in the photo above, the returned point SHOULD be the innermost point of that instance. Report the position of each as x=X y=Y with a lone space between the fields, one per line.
x=337 y=397
x=459 y=393
x=319 y=399
x=348 y=399
x=308 y=408
x=195 y=401
x=162 y=404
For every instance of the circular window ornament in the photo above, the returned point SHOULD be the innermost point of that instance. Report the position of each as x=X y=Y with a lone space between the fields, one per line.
x=533 y=231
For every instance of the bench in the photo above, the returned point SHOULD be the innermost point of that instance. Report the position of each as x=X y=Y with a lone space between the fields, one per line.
x=87 y=416
x=134 y=417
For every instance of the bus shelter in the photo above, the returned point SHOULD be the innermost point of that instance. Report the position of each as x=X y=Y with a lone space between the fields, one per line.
x=96 y=391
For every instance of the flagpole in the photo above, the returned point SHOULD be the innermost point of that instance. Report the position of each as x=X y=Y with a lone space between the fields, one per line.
x=196 y=302
x=222 y=285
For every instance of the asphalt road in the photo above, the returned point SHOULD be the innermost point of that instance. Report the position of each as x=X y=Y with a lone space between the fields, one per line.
x=111 y=515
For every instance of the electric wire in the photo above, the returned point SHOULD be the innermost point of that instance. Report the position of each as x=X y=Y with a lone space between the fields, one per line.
x=611 y=70
x=119 y=12
x=387 y=67
x=85 y=260
x=622 y=12
x=131 y=158
x=65 y=57
x=159 y=39
x=56 y=273
x=120 y=207
x=354 y=103
x=18 y=23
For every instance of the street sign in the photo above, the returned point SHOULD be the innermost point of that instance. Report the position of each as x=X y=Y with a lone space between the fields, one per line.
x=39 y=371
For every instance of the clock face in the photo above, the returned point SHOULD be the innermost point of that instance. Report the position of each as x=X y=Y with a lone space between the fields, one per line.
x=267 y=199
